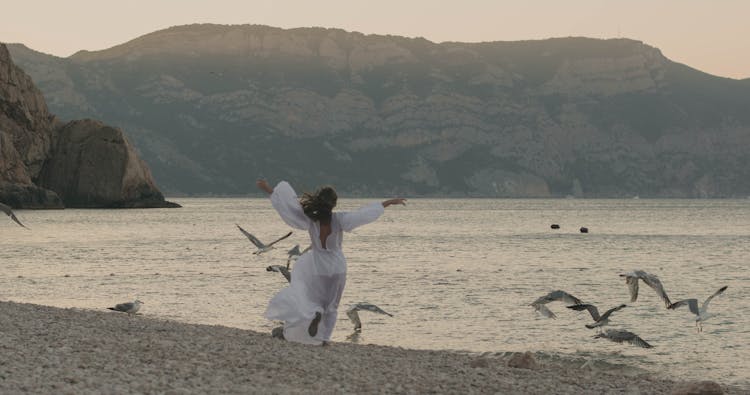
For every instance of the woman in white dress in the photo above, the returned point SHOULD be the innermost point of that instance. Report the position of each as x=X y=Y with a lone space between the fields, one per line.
x=308 y=306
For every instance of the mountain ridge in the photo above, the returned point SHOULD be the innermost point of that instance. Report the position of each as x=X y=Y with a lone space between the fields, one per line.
x=538 y=118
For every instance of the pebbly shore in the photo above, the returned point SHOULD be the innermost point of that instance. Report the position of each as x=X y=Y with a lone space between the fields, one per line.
x=53 y=350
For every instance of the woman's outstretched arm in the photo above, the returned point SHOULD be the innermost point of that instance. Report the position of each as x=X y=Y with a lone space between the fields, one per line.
x=389 y=202
x=285 y=201
x=366 y=214
x=263 y=185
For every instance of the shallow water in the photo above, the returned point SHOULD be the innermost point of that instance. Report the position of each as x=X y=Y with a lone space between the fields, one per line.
x=456 y=273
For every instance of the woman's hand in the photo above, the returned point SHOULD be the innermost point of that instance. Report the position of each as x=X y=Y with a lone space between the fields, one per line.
x=263 y=185
x=389 y=202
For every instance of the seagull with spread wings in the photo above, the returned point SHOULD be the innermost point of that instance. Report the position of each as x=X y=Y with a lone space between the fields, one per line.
x=599 y=320
x=620 y=336
x=353 y=314
x=701 y=313
x=295 y=253
x=559 y=295
x=262 y=247
x=649 y=279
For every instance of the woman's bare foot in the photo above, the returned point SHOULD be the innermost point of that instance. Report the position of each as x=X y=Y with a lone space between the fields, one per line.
x=313 y=329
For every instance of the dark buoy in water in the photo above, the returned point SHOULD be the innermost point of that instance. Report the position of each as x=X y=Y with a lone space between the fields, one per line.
x=584 y=229
x=555 y=226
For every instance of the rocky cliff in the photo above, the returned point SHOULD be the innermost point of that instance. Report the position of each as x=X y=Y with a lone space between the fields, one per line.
x=210 y=107
x=47 y=164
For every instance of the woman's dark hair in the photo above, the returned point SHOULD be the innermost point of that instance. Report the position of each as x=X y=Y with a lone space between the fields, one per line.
x=319 y=205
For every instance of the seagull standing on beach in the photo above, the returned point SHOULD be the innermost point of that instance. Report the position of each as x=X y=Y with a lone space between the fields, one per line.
x=259 y=244
x=599 y=320
x=9 y=212
x=559 y=295
x=354 y=316
x=651 y=280
x=701 y=314
x=620 y=336
x=129 y=307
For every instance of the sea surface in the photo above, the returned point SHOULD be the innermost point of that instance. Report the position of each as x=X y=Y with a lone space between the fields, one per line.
x=457 y=274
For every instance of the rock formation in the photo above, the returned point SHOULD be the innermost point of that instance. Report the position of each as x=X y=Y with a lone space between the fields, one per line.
x=93 y=165
x=211 y=106
x=26 y=129
x=45 y=164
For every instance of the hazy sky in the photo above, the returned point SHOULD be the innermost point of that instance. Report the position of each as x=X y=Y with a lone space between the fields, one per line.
x=710 y=35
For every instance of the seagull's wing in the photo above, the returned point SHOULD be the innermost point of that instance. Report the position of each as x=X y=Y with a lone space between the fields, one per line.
x=373 y=308
x=653 y=282
x=691 y=303
x=590 y=307
x=354 y=318
x=721 y=290
x=286 y=273
x=566 y=297
x=610 y=311
x=637 y=341
x=281 y=269
x=294 y=251
x=620 y=336
x=124 y=306
x=279 y=239
x=9 y=212
x=541 y=300
x=558 y=295
x=632 y=287
x=252 y=238
x=543 y=310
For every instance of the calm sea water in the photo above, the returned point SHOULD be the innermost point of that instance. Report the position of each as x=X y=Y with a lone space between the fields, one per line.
x=456 y=273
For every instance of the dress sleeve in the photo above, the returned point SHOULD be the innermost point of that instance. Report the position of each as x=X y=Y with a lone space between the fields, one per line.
x=284 y=200
x=366 y=214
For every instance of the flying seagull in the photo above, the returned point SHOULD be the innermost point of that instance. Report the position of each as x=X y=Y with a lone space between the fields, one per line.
x=129 y=307
x=559 y=295
x=354 y=316
x=281 y=269
x=649 y=279
x=701 y=314
x=620 y=336
x=261 y=246
x=295 y=253
x=599 y=321
x=9 y=212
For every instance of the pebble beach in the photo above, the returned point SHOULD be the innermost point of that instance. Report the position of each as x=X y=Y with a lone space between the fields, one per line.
x=53 y=350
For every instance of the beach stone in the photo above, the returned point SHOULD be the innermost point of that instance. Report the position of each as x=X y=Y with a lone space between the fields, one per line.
x=705 y=387
x=480 y=363
x=523 y=361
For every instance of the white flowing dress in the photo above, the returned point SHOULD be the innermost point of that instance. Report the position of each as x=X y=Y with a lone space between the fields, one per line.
x=319 y=276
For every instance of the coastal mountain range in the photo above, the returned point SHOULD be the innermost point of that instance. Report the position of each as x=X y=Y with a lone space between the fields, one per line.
x=212 y=107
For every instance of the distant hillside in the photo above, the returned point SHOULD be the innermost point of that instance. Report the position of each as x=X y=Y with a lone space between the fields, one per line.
x=210 y=107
